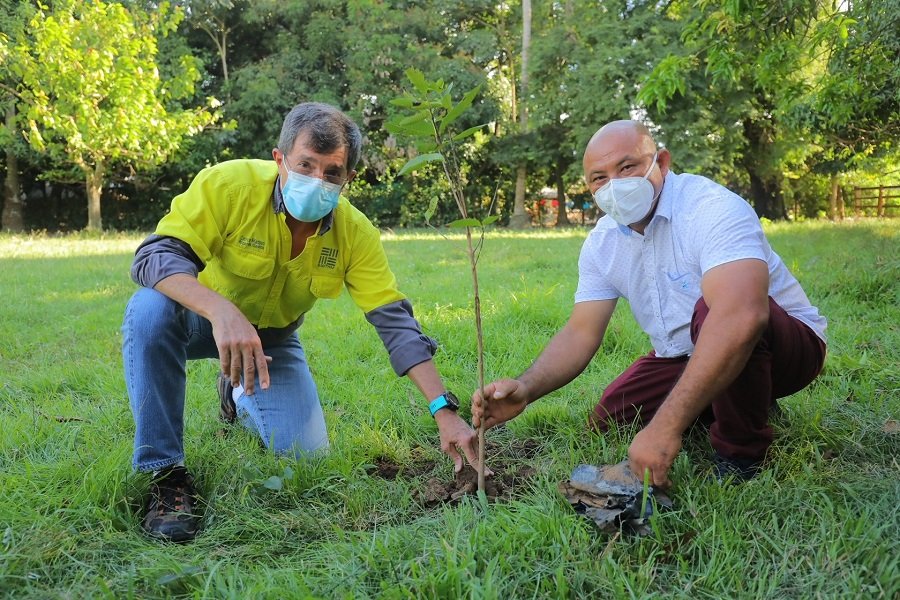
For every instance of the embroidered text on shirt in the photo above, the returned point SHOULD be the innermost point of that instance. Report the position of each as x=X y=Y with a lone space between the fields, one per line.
x=248 y=242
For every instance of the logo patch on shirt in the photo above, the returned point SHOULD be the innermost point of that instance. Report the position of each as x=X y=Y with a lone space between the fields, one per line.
x=248 y=242
x=328 y=258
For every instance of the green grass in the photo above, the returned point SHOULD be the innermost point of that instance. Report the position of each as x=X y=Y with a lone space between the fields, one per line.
x=822 y=522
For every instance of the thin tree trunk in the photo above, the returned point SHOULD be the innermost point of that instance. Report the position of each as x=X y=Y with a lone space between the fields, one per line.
x=94 y=184
x=562 y=215
x=833 y=199
x=221 y=44
x=12 y=219
x=520 y=218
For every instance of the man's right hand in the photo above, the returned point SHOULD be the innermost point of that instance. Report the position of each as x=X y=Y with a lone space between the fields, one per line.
x=506 y=398
x=240 y=349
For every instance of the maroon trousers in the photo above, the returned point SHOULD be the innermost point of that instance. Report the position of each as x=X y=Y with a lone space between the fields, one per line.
x=786 y=359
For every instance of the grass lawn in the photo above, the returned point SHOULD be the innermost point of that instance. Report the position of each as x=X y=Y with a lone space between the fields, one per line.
x=822 y=521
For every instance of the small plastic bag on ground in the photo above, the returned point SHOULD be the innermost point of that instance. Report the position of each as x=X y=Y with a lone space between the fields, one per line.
x=611 y=497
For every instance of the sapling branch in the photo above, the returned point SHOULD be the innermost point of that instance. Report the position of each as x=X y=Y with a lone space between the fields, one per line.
x=433 y=114
x=451 y=171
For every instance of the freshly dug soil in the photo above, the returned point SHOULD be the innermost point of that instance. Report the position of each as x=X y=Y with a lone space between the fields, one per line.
x=504 y=460
x=500 y=486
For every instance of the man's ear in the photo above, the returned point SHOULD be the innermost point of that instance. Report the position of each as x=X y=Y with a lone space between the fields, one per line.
x=664 y=160
x=351 y=175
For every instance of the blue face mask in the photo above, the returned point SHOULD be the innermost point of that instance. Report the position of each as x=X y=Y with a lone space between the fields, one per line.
x=308 y=199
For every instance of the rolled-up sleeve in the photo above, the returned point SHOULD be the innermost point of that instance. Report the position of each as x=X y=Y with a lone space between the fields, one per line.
x=401 y=335
x=159 y=257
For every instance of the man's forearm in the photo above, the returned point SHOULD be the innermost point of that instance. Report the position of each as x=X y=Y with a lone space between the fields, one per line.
x=193 y=295
x=564 y=358
x=425 y=377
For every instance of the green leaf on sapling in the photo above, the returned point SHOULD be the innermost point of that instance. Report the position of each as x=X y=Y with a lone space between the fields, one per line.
x=432 y=207
x=420 y=161
x=460 y=108
x=464 y=223
x=417 y=78
x=467 y=133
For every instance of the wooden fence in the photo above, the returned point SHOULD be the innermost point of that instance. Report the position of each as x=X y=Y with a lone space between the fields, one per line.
x=880 y=201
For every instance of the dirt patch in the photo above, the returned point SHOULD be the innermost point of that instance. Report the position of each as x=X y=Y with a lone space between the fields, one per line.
x=383 y=468
x=500 y=486
x=504 y=459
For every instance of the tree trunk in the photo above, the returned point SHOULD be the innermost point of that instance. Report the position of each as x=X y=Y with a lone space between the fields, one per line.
x=562 y=215
x=765 y=189
x=833 y=200
x=12 y=202
x=766 y=196
x=94 y=185
x=12 y=219
x=520 y=219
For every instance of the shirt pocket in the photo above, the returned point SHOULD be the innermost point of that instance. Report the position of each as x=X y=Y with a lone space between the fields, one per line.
x=244 y=264
x=326 y=286
x=687 y=283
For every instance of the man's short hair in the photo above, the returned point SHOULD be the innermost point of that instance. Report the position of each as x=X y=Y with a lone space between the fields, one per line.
x=327 y=129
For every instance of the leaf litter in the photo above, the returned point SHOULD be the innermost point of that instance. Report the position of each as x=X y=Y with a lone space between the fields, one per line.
x=613 y=498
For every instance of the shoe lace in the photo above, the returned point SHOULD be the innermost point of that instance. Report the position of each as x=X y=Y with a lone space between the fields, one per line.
x=173 y=492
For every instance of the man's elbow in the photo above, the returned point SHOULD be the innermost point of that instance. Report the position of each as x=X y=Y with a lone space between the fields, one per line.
x=755 y=320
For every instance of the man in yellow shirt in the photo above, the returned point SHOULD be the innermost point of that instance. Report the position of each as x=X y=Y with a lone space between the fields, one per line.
x=230 y=272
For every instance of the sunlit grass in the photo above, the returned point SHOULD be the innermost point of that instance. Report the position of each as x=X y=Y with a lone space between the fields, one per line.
x=821 y=521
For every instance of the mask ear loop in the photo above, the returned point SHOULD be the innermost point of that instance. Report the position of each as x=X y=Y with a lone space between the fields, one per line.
x=652 y=164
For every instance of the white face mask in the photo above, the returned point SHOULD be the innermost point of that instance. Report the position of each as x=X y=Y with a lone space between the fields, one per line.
x=628 y=199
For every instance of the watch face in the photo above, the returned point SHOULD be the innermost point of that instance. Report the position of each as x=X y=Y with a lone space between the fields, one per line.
x=452 y=401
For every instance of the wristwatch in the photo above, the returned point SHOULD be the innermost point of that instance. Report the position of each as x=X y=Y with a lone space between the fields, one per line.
x=445 y=400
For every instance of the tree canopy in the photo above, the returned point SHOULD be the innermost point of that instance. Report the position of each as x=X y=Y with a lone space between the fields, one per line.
x=90 y=92
x=778 y=101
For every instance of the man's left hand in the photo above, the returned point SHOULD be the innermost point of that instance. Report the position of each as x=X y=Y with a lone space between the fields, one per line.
x=655 y=450
x=457 y=435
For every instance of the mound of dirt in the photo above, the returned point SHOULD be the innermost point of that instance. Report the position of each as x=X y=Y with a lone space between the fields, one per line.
x=503 y=459
x=500 y=486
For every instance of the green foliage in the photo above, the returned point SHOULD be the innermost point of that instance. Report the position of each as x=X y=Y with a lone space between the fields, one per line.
x=770 y=99
x=90 y=91
x=784 y=89
x=431 y=127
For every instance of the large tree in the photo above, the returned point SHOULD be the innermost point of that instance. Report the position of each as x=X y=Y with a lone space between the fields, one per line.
x=12 y=22
x=90 y=91
x=742 y=71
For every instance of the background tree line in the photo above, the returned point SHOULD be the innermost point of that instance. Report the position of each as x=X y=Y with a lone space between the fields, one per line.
x=112 y=108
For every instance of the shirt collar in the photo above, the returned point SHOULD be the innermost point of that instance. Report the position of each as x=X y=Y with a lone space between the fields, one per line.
x=278 y=207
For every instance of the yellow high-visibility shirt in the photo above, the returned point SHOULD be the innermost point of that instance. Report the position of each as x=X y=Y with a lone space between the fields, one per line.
x=227 y=218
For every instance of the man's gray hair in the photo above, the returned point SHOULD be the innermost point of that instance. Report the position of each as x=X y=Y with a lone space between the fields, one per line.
x=327 y=129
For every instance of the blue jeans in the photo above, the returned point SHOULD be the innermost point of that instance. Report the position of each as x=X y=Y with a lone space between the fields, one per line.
x=160 y=336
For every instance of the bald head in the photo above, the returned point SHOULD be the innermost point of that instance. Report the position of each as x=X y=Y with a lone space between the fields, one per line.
x=624 y=149
x=624 y=133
